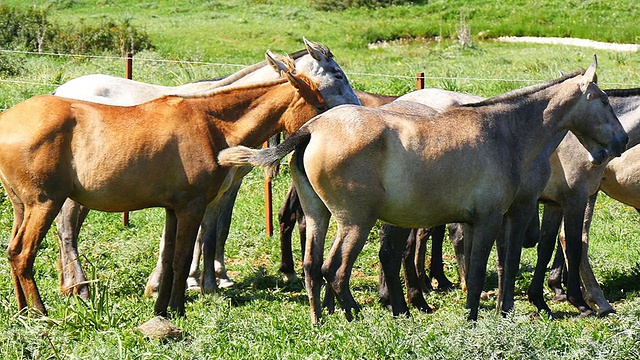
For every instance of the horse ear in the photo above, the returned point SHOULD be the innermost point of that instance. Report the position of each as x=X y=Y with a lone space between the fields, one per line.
x=275 y=62
x=590 y=75
x=317 y=51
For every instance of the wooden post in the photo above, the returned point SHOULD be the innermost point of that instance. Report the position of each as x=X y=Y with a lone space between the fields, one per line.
x=128 y=72
x=420 y=81
x=268 y=200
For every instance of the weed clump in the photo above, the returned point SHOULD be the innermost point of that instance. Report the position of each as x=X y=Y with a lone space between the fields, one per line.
x=31 y=30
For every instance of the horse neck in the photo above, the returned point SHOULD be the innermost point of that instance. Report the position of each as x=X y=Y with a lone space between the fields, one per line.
x=627 y=108
x=535 y=123
x=250 y=116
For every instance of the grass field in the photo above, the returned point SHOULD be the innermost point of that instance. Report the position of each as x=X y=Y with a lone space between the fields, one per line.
x=262 y=317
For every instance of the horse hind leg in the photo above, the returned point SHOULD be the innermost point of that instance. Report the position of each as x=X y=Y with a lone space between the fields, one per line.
x=436 y=268
x=23 y=247
x=287 y=217
x=591 y=290
x=393 y=242
x=557 y=275
x=337 y=268
x=68 y=223
x=222 y=234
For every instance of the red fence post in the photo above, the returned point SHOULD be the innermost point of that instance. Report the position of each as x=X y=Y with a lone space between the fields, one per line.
x=420 y=81
x=128 y=72
x=268 y=200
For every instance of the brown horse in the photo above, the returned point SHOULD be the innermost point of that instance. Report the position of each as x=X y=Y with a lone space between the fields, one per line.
x=469 y=159
x=98 y=155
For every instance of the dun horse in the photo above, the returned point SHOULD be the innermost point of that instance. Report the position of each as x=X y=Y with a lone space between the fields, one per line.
x=98 y=155
x=469 y=159
x=570 y=198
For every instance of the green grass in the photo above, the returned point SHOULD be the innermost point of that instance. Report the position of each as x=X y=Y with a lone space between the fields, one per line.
x=262 y=317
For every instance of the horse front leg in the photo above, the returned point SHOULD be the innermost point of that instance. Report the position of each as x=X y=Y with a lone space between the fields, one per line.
x=436 y=268
x=551 y=220
x=456 y=234
x=415 y=284
x=165 y=272
x=480 y=237
x=23 y=247
x=68 y=223
x=188 y=221
x=515 y=226
x=572 y=244
x=592 y=292
x=393 y=242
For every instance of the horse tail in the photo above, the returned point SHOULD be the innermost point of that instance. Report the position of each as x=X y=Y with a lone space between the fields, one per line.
x=268 y=158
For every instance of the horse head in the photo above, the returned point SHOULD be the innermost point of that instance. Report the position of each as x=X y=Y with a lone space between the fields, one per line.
x=602 y=135
x=329 y=78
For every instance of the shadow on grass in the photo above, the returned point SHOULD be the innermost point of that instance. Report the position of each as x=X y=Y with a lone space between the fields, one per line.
x=617 y=284
x=266 y=287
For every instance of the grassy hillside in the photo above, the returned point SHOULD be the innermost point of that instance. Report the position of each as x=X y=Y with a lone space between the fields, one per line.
x=262 y=317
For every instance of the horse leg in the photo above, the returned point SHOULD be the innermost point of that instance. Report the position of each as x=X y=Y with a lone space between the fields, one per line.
x=337 y=267
x=592 y=292
x=153 y=283
x=193 y=280
x=165 y=271
x=436 y=268
x=31 y=224
x=317 y=222
x=68 y=223
x=572 y=245
x=557 y=274
x=532 y=235
x=181 y=231
x=456 y=233
x=222 y=233
x=480 y=238
x=393 y=242
x=287 y=219
x=419 y=251
x=415 y=284
x=188 y=221
x=515 y=226
x=551 y=219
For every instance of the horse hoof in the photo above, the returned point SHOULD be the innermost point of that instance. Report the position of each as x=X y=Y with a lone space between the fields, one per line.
x=586 y=313
x=193 y=284
x=606 y=312
x=225 y=283
x=289 y=278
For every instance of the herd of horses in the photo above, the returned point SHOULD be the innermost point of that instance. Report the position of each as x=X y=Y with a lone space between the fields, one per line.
x=420 y=162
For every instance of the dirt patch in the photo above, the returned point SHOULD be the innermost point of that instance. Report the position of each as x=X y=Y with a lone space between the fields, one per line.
x=571 y=41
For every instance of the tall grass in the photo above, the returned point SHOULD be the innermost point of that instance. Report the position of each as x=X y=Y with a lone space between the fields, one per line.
x=263 y=317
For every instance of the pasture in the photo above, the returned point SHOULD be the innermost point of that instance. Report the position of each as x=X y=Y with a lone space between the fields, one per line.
x=261 y=316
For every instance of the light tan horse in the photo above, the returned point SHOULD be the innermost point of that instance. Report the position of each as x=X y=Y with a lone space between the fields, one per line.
x=99 y=155
x=621 y=180
x=409 y=165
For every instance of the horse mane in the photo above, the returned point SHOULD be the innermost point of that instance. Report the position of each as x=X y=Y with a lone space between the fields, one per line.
x=513 y=94
x=623 y=92
x=228 y=79
x=226 y=89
